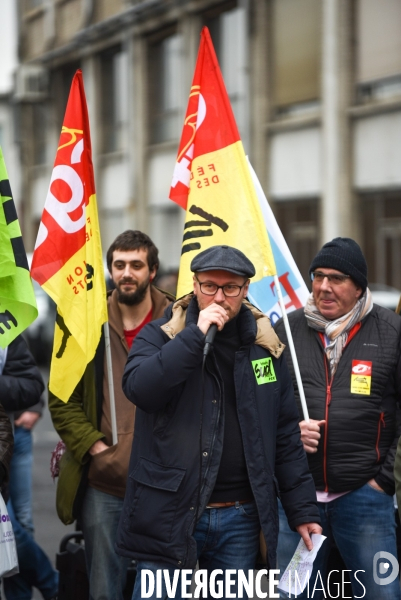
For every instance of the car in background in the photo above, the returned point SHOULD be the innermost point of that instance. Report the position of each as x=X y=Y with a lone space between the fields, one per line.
x=385 y=296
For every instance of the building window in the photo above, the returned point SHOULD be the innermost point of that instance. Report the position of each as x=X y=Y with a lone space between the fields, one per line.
x=39 y=128
x=114 y=107
x=382 y=237
x=296 y=51
x=298 y=221
x=227 y=27
x=378 y=51
x=165 y=67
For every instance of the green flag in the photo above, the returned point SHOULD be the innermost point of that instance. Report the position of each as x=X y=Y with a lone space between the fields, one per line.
x=17 y=299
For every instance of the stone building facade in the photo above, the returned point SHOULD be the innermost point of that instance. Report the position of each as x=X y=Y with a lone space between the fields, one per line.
x=316 y=90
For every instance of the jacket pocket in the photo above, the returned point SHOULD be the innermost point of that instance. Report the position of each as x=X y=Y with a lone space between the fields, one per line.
x=155 y=499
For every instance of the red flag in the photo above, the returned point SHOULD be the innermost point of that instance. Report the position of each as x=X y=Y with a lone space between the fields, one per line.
x=62 y=230
x=209 y=117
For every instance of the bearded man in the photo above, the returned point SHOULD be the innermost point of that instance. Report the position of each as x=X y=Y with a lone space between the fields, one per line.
x=93 y=471
x=348 y=351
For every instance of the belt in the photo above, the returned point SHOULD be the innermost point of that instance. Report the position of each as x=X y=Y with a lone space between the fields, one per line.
x=226 y=504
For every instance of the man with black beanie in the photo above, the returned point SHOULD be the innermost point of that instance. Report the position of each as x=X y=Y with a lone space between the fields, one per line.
x=348 y=351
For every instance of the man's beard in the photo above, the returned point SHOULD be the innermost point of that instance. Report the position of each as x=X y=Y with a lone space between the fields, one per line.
x=133 y=298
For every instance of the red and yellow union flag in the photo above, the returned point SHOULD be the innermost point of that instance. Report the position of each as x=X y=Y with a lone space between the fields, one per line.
x=212 y=180
x=67 y=261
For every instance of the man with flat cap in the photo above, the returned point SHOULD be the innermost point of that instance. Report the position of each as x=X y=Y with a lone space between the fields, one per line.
x=216 y=437
x=349 y=356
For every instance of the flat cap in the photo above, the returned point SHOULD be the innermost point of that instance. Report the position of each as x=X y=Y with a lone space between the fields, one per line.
x=224 y=258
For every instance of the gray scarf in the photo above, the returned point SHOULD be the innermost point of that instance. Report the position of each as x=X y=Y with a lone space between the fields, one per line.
x=338 y=329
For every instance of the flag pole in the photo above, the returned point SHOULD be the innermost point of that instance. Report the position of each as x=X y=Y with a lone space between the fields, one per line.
x=111 y=383
x=292 y=349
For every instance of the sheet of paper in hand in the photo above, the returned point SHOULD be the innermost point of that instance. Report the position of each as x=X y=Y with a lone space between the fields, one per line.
x=297 y=574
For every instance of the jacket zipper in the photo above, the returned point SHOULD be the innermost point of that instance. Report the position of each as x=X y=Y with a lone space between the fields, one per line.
x=326 y=416
x=204 y=479
x=381 y=423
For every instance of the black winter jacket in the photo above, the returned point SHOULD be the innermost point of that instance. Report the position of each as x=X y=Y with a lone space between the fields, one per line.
x=163 y=377
x=360 y=437
x=21 y=383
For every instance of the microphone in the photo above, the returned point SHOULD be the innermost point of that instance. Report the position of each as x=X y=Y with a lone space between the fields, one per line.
x=211 y=334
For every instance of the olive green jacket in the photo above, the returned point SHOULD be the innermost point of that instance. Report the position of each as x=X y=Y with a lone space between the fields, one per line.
x=79 y=425
x=83 y=411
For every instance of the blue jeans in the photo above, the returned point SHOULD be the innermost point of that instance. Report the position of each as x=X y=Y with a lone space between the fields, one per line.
x=35 y=567
x=227 y=538
x=360 y=524
x=20 y=486
x=107 y=572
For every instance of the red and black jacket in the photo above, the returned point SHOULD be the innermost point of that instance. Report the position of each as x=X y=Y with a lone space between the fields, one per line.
x=360 y=437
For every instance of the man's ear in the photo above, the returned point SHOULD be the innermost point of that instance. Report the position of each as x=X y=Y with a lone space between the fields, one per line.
x=246 y=287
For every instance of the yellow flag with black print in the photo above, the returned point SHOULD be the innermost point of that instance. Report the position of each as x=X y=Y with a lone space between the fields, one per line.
x=67 y=261
x=211 y=178
x=17 y=299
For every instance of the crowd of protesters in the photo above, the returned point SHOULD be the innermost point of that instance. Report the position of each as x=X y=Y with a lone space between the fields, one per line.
x=214 y=452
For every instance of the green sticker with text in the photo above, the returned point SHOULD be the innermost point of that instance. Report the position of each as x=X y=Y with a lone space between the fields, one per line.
x=264 y=370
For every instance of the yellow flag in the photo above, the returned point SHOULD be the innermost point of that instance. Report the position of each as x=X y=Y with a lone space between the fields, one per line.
x=212 y=180
x=67 y=260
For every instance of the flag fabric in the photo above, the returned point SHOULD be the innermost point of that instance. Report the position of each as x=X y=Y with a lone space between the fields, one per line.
x=212 y=180
x=263 y=293
x=17 y=299
x=67 y=261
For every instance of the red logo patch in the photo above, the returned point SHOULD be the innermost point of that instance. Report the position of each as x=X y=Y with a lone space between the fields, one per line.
x=362 y=367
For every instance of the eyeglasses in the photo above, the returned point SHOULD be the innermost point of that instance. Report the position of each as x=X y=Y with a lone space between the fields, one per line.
x=229 y=290
x=333 y=278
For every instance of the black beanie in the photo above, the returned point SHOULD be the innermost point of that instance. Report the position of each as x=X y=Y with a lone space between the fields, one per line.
x=343 y=254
